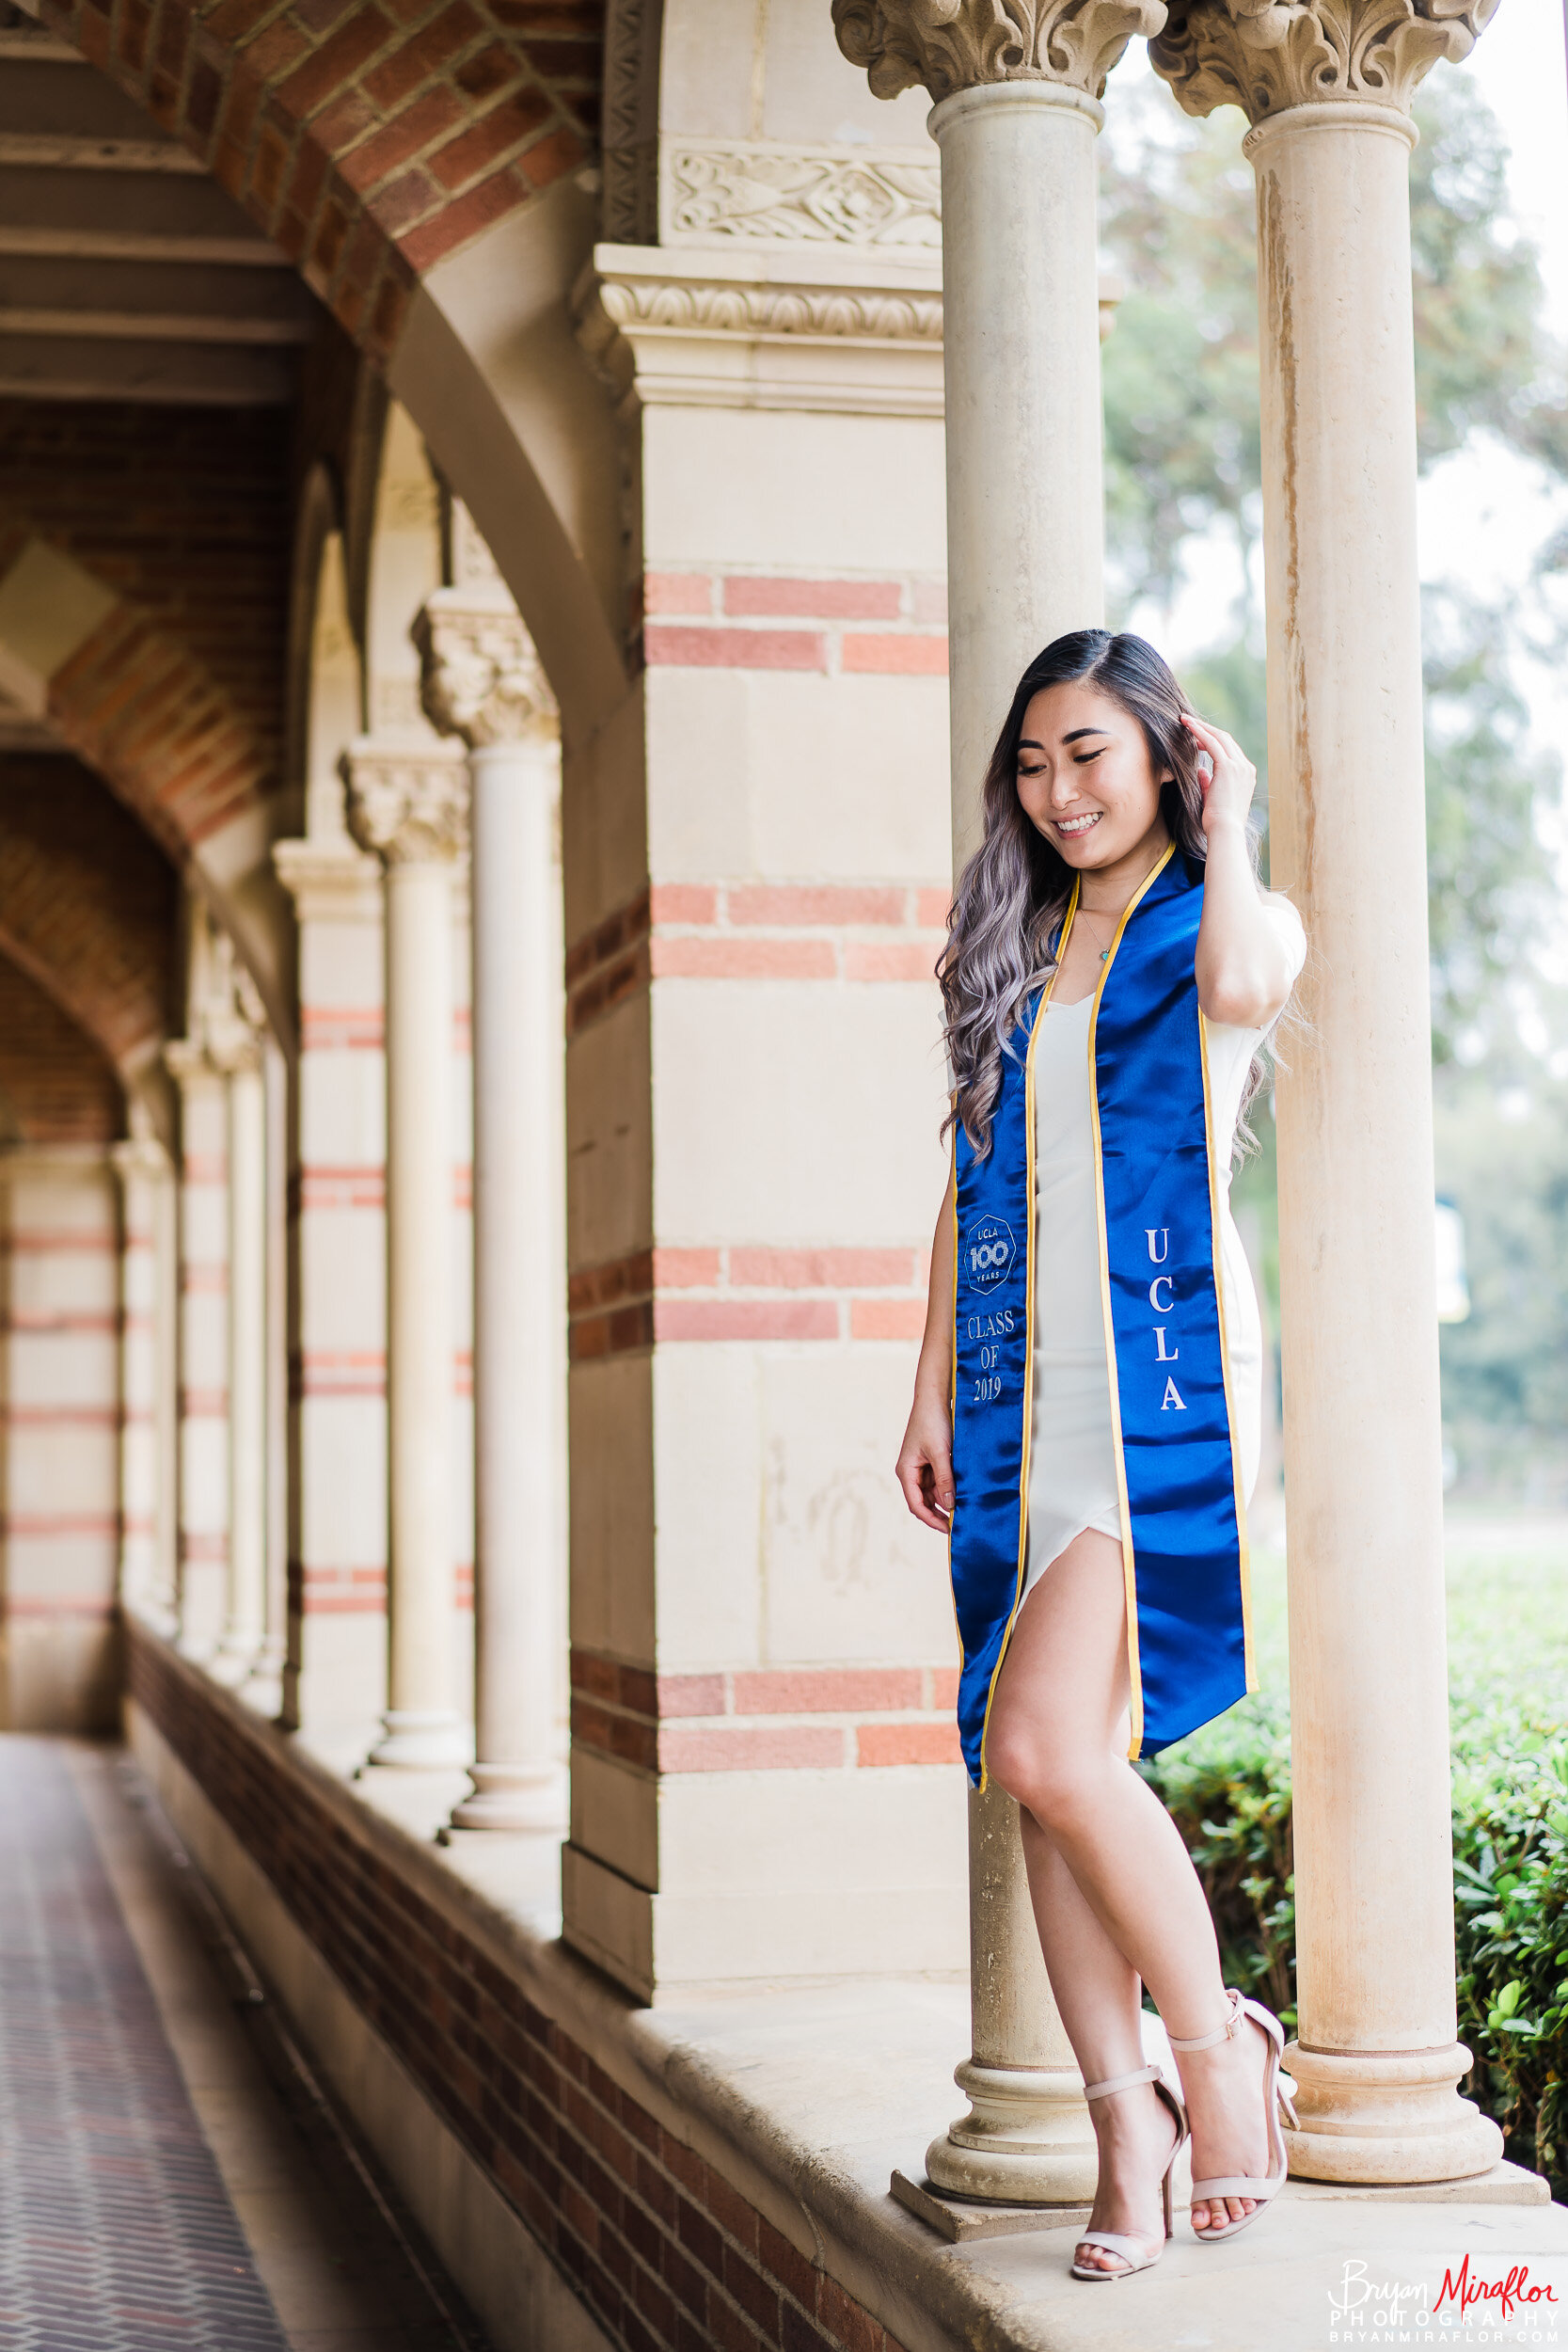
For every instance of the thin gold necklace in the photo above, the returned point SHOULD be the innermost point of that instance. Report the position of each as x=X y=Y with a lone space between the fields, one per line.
x=1105 y=952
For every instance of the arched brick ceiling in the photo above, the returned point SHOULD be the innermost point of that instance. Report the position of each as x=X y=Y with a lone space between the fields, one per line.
x=55 y=1087
x=368 y=138
x=182 y=514
x=88 y=906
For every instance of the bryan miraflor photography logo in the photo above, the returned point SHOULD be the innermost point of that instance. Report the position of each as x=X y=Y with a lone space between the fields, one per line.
x=1474 y=2299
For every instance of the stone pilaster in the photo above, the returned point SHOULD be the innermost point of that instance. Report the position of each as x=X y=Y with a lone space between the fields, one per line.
x=409 y=804
x=483 y=682
x=1327 y=85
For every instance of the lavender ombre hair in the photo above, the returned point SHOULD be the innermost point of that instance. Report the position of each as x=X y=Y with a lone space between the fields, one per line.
x=1013 y=893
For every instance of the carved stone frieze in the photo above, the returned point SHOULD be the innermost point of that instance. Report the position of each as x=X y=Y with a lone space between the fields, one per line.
x=948 y=46
x=813 y=195
x=407 y=803
x=1265 y=56
x=482 y=676
x=772 y=310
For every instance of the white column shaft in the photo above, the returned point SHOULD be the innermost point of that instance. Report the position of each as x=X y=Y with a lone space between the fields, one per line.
x=138 y=1383
x=1025 y=540
x=422 y=1721
x=1358 y=1308
x=247 y=1393
x=519 y=1285
x=1020 y=296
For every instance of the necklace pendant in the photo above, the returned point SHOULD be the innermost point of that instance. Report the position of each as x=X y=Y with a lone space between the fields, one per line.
x=1104 y=954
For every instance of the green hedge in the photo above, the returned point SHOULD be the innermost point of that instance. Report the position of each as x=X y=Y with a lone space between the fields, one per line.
x=1228 y=1789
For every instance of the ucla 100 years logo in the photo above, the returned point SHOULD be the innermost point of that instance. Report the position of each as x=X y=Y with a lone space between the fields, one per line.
x=988 y=1251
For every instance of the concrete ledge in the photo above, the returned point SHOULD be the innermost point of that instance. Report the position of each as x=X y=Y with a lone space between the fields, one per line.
x=782 y=2112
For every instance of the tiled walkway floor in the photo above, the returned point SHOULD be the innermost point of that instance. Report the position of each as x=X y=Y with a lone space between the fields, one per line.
x=160 y=2186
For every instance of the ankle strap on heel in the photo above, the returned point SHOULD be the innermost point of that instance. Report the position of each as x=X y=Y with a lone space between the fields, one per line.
x=1122 y=2082
x=1226 y=2032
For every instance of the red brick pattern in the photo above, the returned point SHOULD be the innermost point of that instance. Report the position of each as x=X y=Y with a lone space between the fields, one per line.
x=706 y=621
x=765 y=1719
x=86 y=904
x=745 y=931
x=369 y=138
x=198 y=555
x=737 y=1292
x=143 y=712
x=659 y=2245
x=54 y=1082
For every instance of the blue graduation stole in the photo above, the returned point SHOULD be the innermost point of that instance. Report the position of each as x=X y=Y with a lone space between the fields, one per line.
x=1183 y=1524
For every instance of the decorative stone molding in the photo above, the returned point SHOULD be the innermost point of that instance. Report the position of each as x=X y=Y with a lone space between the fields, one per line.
x=408 y=804
x=482 y=677
x=630 y=121
x=329 y=881
x=806 y=194
x=949 y=45
x=760 y=326
x=1265 y=56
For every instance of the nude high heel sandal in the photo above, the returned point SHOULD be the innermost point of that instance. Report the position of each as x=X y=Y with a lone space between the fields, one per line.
x=1274 y=2101
x=1131 y=2249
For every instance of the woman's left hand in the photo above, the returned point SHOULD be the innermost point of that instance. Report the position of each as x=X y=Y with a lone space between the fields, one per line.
x=1233 y=780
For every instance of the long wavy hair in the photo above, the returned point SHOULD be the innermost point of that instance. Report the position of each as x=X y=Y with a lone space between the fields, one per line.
x=1013 y=894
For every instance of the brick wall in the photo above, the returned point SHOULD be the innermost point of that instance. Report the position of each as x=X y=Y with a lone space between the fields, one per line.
x=891 y=628
x=56 y=1085
x=664 y=2252
x=184 y=514
x=87 y=903
x=366 y=141
x=765 y=1719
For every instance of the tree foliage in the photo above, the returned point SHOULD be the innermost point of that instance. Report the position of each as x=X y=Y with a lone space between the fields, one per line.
x=1182 y=449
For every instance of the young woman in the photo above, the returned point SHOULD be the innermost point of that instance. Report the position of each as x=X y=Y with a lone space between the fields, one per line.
x=1086 y=1414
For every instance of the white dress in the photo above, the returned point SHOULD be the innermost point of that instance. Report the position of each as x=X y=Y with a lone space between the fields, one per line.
x=1073 y=1472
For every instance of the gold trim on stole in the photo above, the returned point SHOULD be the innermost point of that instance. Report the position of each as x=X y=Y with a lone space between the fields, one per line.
x=1243 y=1552
x=1028 y=1324
x=1129 y=1563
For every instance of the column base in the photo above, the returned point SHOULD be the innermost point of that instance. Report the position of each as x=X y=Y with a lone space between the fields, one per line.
x=233 y=1662
x=1376 y=2118
x=422 y=1739
x=1026 y=2140
x=527 y=1800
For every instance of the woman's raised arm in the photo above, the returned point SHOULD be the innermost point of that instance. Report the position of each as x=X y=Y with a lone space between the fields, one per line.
x=1243 y=965
x=926 y=1457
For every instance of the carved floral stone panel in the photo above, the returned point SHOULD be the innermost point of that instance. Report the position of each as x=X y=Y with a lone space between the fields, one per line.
x=814 y=196
x=1265 y=56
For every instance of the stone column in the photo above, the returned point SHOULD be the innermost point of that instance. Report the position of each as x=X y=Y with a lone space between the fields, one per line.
x=483 y=681
x=265 y=1688
x=409 y=804
x=142 y=1169
x=1016 y=117
x=203 y=1348
x=1327 y=88
x=236 y=1048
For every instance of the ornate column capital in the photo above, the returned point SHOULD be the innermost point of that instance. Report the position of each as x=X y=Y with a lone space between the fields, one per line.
x=950 y=45
x=481 y=677
x=407 y=803
x=1267 y=56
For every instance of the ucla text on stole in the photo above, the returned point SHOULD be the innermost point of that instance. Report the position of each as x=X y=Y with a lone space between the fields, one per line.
x=1002 y=1323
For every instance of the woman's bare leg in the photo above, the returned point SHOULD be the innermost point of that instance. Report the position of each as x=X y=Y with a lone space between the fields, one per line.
x=1115 y=1894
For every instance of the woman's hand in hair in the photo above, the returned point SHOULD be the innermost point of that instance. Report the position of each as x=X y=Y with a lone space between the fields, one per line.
x=1232 y=781
x=1243 y=966
x=925 y=1461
